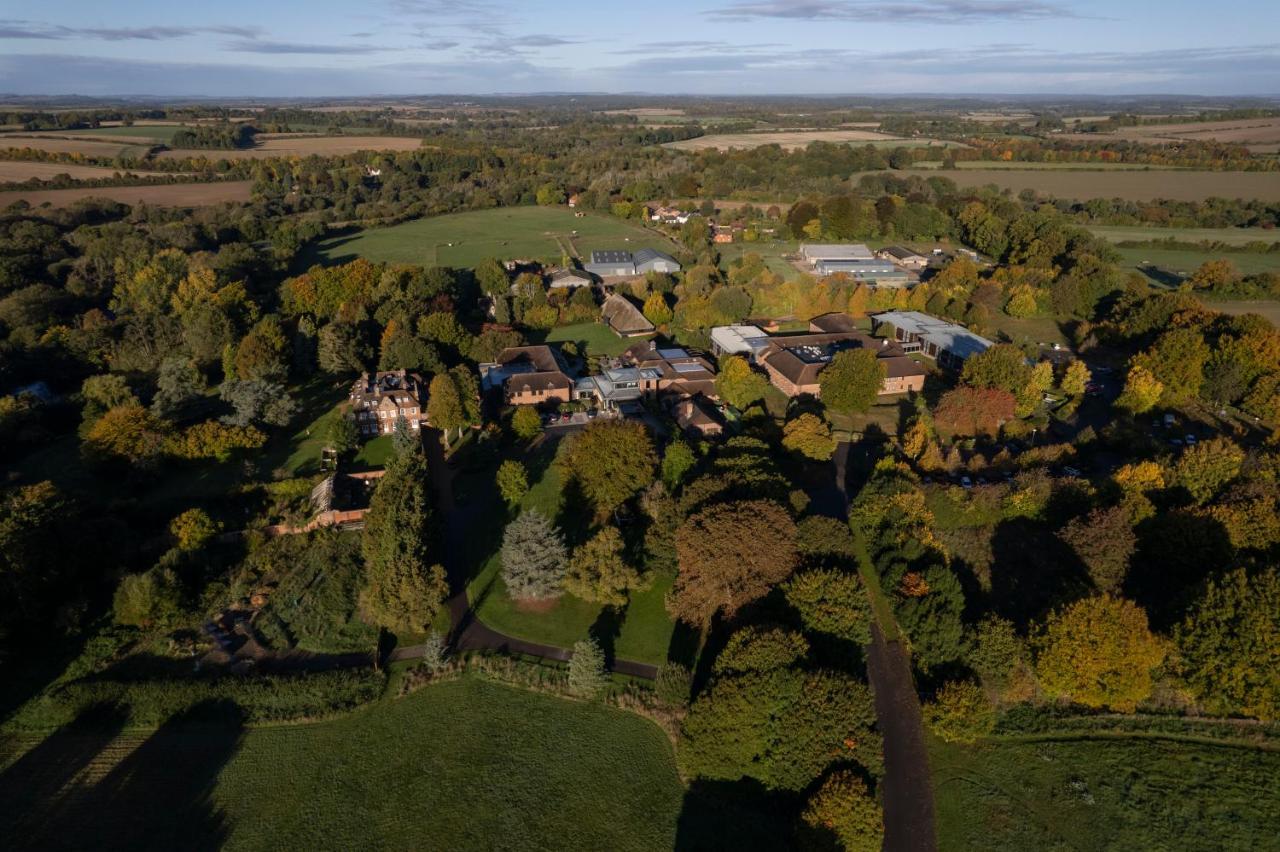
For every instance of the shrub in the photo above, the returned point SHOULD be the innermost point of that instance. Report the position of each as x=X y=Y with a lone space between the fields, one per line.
x=844 y=807
x=960 y=712
x=673 y=685
x=587 y=676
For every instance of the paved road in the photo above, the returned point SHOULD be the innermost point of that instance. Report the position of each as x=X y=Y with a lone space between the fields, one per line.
x=906 y=788
x=469 y=632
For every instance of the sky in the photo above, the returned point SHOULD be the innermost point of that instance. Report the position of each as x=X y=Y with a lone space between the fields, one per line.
x=319 y=48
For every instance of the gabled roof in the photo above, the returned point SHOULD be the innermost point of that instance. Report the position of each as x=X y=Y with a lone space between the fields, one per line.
x=611 y=257
x=620 y=314
x=646 y=255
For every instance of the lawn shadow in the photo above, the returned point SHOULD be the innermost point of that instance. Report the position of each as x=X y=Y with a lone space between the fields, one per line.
x=606 y=630
x=683 y=646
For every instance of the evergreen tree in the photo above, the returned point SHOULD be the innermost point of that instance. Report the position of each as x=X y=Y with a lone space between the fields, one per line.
x=587 y=675
x=533 y=558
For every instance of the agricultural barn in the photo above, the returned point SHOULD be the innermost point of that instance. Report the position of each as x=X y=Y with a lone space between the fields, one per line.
x=946 y=342
x=904 y=257
x=623 y=264
x=813 y=254
x=624 y=318
x=882 y=273
x=570 y=278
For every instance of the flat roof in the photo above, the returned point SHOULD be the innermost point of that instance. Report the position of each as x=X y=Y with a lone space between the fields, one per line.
x=946 y=335
x=739 y=338
x=836 y=251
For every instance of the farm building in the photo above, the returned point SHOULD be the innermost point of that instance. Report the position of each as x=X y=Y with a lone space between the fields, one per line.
x=527 y=375
x=882 y=273
x=620 y=314
x=904 y=257
x=946 y=342
x=624 y=264
x=813 y=254
x=570 y=279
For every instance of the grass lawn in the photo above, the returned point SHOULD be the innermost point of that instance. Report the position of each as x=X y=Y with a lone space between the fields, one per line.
x=1269 y=310
x=1180 y=264
x=374 y=453
x=771 y=252
x=1229 y=236
x=1033 y=329
x=1104 y=793
x=593 y=338
x=465 y=239
x=646 y=629
x=460 y=765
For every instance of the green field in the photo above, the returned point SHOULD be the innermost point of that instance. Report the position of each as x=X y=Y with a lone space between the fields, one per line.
x=1105 y=793
x=158 y=132
x=1029 y=329
x=460 y=765
x=1227 y=236
x=597 y=338
x=772 y=253
x=465 y=239
x=1182 y=263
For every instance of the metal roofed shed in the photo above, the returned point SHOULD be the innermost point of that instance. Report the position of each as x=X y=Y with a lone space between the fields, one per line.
x=829 y=252
x=651 y=260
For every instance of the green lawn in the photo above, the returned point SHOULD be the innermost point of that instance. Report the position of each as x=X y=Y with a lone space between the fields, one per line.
x=374 y=453
x=1183 y=263
x=465 y=239
x=646 y=629
x=593 y=338
x=158 y=132
x=1105 y=793
x=1229 y=236
x=1032 y=329
x=460 y=765
x=771 y=252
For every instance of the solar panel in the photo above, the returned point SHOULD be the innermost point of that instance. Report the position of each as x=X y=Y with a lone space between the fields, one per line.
x=688 y=368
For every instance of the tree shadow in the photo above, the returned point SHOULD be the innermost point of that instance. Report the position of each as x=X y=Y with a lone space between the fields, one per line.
x=738 y=815
x=683 y=646
x=1177 y=552
x=607 y=628
x=159 y=797
x=1033 y=572
x=32 y=787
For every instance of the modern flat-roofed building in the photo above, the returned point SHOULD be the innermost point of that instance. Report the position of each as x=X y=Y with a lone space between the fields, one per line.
x=881 y=273
x=946 y=342
x=746 y=340
x=681 y=372
x=527 y=375
x=814 y=253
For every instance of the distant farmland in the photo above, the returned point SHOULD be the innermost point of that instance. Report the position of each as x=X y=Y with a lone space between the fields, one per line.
x=16 y=171
x=286 y=145
x=1012 y=165
x=791 y=139
x=169 y=195
x=65 y=145
x=1227 y=236
x=146 y=133
x=1259 y=135
x=465 y=239
x=1132 y=186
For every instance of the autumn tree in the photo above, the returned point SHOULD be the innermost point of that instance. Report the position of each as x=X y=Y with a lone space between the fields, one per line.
x=150 y=599
x=127 y=432
x=403 y=589
x=844 y=807
x=730 y=554
x=214 y=440
x=513 y=482
x=677 y=460
x=831 y=601
x=973 y=411
x=851 y=382
x=526 y=423
x=960 y=712
x=1206 y=467
x=1098 y=652
x=1176 y=360
x=193 y=529
x=1142 y=390
x=598 y=571
x=810 y=436
x=1076 y=379
x=996 y=652
x=1229 y=645
x=738 y=384
x=1104 y=541
x=656 y=310
x=611 y=460
x=444 y=405
x=261 y=353
x=533 y=558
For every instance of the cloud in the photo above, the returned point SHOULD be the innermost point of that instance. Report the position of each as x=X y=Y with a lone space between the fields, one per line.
x=930 y=11
x=17 y=29
x=647 y=48
x=285 y=47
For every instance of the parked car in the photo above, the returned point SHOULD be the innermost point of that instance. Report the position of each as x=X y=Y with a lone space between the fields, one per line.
x=591 y=414
x=966 y=482
x=566 y=417
x=1190 y=440
x=1073 y=472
